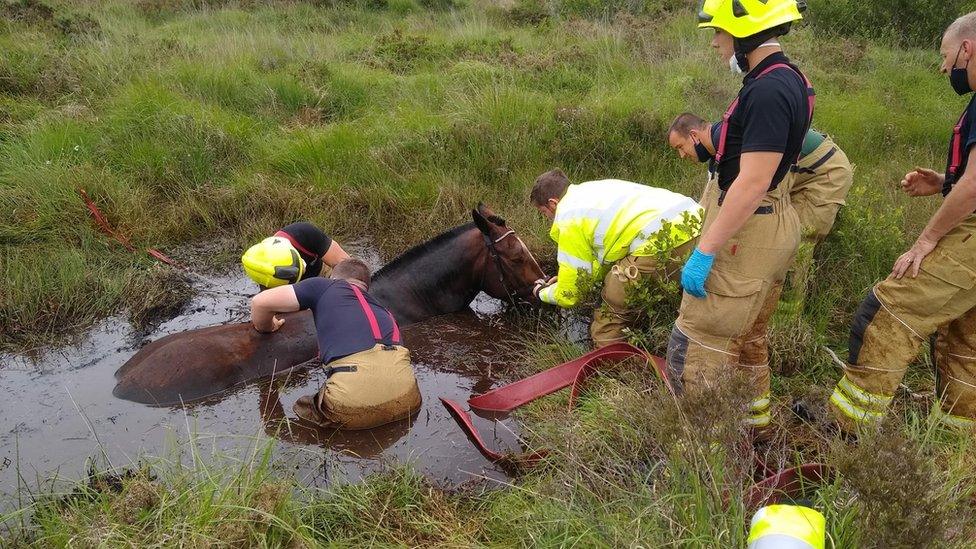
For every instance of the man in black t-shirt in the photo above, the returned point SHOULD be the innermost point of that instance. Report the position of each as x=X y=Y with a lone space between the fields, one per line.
x=751 y=232
x=938 y=295
x=370 y=381
x=275 y=260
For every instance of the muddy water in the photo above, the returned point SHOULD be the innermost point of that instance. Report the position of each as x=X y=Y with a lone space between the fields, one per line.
x=58 y=409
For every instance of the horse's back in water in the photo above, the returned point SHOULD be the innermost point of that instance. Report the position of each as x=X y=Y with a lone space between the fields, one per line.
x=191 y=365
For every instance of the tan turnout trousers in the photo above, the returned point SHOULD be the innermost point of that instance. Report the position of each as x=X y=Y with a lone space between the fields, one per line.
x=365 y=390
x=822 y=181
x=727 y=329
x=893 y=321
x=610 y=320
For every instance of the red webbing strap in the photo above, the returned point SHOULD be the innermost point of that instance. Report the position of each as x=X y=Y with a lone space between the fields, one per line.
x=811 y=102
x=106 y=228
x=509 y=397
x=368 y=311
x=956 y=146
x=294 y=242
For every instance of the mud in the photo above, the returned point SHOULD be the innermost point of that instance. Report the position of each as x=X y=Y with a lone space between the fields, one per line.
x=59 y=410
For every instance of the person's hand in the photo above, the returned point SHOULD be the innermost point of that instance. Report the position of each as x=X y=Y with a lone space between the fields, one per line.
x=922 y=182
x=913 y=258
x=695 y=272
x=275 y=324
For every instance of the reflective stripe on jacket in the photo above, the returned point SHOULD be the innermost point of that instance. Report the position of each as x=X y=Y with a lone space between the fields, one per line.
x=601 y=222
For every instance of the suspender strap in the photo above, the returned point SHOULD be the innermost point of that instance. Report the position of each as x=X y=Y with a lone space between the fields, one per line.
x=371 y=318
x=957 y=145
x=294 y=242
x=813 y=167
x=811 y=101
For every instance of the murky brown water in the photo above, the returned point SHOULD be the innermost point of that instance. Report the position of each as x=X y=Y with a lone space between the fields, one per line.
x=58 y=410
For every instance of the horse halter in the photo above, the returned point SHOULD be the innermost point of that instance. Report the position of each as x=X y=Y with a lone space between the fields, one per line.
x=499 y=264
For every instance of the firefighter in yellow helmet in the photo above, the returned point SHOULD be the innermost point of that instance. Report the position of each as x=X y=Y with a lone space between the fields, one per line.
x=751 y=232
x=296 y=252
x=932 y=286
x=823 y=178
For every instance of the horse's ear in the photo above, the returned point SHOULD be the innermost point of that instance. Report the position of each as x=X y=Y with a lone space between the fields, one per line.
x=488 y=214
x=480 y=220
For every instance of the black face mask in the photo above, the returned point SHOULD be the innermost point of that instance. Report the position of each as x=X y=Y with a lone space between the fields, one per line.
x=702 y=152
x=959 y=78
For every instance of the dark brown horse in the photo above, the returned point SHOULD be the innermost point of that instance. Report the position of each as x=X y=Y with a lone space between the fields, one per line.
x=438 y=277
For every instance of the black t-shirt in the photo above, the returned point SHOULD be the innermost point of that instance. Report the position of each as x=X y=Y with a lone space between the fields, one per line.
x=967 y=133
x=772 y=116
x=312 y=245
x=340 y=324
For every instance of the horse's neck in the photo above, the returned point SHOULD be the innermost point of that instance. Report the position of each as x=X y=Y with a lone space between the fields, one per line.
x=440 y=279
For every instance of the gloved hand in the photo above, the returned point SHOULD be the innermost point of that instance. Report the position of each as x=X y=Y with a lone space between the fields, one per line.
x=695 y=272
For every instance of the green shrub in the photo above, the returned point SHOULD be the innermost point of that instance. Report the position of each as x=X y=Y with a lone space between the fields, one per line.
x=918 y=23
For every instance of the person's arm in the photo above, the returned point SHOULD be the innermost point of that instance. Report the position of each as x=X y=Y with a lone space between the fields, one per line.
x=756 y=171
x=574 y=254
x=334 y=255
x=957 y=206
x=266 y=304
x=922 y=182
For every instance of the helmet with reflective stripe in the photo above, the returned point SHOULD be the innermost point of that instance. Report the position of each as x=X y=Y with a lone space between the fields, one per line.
x=743 y=18
x=787 y=527
x=273 y=262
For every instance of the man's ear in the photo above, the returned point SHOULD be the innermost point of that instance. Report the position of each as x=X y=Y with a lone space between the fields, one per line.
x=480 y=220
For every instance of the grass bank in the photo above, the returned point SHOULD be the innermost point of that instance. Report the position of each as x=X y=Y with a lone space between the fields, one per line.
x=192 y=122
x=211 y=122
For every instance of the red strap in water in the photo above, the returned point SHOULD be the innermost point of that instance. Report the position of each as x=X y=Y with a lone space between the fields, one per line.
x=295 y=243
x=106 y=228
x=373 y=324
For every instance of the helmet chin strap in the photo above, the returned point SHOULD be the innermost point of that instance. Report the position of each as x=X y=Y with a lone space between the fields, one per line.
x=741 y=61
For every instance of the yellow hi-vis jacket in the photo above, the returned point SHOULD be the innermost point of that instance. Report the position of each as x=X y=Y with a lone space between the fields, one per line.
x=601 y=222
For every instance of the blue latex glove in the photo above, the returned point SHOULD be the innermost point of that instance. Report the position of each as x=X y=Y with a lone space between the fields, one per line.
x=695 y=272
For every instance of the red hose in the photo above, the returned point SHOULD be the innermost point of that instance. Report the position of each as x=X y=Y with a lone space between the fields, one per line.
x=774 y=486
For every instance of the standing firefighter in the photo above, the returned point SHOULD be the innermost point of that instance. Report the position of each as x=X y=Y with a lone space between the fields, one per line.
x=932 y=287
x=751 y=232
x=823 y=177
x=296 y=252
x=370 y=380
x=615 y=230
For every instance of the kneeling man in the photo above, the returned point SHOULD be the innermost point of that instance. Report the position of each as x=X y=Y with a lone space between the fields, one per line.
x=370 y=380
x=615 y=230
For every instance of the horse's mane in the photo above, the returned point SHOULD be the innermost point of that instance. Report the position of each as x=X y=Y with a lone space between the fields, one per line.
x=422 y=249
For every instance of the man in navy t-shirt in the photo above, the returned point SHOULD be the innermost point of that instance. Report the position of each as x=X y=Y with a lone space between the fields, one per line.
x=370 y=379
x=932 y=286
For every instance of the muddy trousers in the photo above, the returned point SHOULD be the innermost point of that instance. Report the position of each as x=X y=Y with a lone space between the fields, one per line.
x=726 y=331
x=612 y=318
x=820 y=187
x=364 y=390
x=893 y=322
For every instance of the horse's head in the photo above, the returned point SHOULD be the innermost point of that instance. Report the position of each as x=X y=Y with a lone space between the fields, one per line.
x=510 y=270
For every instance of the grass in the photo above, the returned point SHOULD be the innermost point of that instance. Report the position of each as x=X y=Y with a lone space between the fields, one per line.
x=203 y=124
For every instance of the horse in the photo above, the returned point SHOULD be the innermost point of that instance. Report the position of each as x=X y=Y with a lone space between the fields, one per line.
x=438 y=277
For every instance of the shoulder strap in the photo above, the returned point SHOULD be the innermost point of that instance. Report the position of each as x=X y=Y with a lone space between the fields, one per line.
x=956 y=146
x=373 y=324
x=811 y=102
x=295 y=243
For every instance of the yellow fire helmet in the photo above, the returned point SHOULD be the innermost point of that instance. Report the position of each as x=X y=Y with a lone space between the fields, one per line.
x=273 y=262
x=743 y=18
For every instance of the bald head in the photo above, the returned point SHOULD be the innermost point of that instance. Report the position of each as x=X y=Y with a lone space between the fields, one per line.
x=962 y=28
